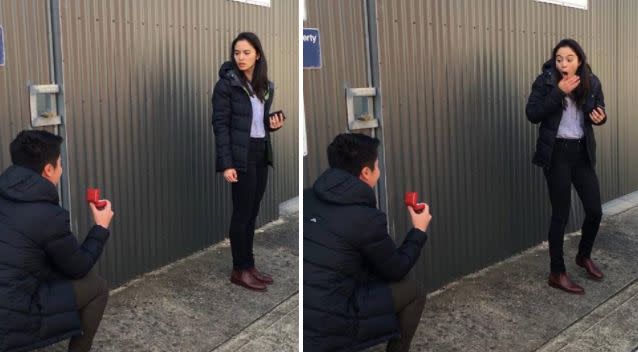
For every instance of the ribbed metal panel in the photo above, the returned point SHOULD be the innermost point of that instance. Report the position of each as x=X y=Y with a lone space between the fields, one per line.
x=627 y=66
x=455 y=76
x=26 y=37
x=138 y=82
x=344 y=63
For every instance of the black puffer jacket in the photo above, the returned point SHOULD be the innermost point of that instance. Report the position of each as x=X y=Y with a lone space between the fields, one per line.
x=545 y=106
x=232 y=120
x=348 y=260
x=38 y=257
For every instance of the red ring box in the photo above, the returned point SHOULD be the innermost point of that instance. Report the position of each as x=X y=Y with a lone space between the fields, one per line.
x=93 y=196
x=411 y=200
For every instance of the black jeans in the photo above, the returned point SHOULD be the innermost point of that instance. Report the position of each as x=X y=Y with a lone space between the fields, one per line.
x=247 y=194
x=91 y=295
x=571 y=165
x=408 y=302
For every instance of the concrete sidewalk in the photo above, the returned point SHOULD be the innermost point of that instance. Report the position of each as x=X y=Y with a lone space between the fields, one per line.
x=191 y=306
x=510 y=307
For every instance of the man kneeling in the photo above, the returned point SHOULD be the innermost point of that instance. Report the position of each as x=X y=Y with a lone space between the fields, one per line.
x=47 y=293
x=355 y=294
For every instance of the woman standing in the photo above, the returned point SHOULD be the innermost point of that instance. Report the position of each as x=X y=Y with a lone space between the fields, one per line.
x=241 y=102
x=567 y=100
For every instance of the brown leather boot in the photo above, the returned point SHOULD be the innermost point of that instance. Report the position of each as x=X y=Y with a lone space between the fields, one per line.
x=263 y=277
x=590 y=266
x=247 y=280
x=563 y=282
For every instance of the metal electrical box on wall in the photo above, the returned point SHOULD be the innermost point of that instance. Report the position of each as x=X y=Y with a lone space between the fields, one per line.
x=1 y=46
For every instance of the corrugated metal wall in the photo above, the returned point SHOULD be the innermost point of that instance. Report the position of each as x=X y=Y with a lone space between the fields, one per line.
x=627 y=60
x=138 y=81
x=455 y=76
x=139 y=77
x=344 y=63
x=27 y=61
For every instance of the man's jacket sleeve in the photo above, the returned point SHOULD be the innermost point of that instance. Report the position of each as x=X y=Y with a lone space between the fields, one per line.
x=65 y=252
x=389 y=262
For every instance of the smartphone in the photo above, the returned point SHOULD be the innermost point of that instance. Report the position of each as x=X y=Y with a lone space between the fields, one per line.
x=277 y=112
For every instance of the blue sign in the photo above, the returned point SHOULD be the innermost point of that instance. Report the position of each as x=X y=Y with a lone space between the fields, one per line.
x=311 y=48
x=1 y=46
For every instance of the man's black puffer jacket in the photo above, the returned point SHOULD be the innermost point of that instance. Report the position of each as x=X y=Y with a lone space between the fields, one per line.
x=349 y=261
x=39 y=256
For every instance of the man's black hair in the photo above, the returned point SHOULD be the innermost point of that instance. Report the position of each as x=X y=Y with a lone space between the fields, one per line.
x=352 y=152
x=35 y=149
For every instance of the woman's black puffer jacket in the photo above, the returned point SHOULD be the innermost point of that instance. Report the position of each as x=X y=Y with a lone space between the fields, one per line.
x=232 y=120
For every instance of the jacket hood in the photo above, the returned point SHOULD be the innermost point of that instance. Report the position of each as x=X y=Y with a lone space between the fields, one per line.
x=548 y=65
x=548 y=71
x=227 y=71
x=24 y=185
x=339 y=187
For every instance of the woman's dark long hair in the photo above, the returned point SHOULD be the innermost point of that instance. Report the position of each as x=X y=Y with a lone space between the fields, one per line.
x=584 y=71
x=259 y=82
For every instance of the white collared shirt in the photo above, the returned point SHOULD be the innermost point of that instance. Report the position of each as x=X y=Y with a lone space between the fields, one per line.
x=257 y=129
x=571 y=123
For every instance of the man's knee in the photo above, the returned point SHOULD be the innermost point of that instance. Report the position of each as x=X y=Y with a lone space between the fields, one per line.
x=102 y=290
x=405 y=292
x=421 y=298
x=89 y=288
x=102 y=286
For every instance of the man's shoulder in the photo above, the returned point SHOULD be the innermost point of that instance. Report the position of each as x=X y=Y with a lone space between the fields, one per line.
x=312 y=202
x=47 y=215
x=43 y=206
x=39 y=221
x=54 y=222
x=54 y=217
